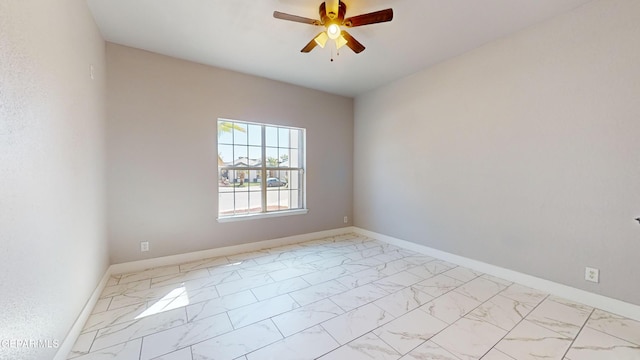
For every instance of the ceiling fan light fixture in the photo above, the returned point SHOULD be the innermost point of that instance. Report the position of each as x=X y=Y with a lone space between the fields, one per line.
x=321 y=39
x=332 y=19
x=340 y=42
x=333 y=31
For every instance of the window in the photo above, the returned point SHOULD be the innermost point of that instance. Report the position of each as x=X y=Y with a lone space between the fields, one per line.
x=260 y=169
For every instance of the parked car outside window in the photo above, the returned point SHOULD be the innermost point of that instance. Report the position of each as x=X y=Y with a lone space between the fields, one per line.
x=275 y=182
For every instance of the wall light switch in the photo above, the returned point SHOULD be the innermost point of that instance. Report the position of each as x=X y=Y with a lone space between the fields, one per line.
x=144 y=246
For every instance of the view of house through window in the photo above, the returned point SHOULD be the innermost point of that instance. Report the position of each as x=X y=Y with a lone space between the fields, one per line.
x=260 y=168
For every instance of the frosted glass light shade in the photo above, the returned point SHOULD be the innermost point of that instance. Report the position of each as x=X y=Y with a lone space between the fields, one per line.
x=321 y=39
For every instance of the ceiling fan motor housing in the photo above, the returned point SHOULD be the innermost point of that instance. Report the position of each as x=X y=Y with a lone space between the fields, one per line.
x=331 y=18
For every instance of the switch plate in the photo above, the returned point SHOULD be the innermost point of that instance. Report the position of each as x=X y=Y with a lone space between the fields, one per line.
x=144 y=246
x=346 y=219
x=592 y=274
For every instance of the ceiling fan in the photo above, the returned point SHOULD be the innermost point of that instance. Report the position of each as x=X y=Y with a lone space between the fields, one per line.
x=332 y=14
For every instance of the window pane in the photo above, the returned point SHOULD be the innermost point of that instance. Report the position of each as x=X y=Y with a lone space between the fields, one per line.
x=294 y=180
x=284 y=200
x=225 y=204
x=272 y=157
x=294 y=158
x=244 y=179
x=271 y=134
x=225 y=132
x=255 y=156
x=295 y=139
x=255 y=201
x=295 y=199
x=272 y=199
x=283 y=137
x=284 y=177
x=254 y=180
x=240 y=154
x=239 y=178
x=240 y=134
x=242 y=202
x=223 y=181
x=274 y=174
x=225 y=155
x=255 y=135
x=283 y=157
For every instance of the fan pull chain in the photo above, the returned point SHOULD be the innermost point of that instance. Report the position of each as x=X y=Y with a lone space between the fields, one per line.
x=337 y=54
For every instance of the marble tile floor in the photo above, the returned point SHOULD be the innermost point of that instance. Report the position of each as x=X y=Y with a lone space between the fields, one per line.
x=343 y=297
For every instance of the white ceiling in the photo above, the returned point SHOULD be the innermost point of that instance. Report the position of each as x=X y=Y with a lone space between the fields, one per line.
x=242 y=35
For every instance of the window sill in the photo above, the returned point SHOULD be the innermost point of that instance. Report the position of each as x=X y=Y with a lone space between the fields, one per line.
x=262 y=215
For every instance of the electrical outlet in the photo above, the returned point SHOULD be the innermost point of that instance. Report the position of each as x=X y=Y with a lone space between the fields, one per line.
x=144 y=246
x=346 y=219
x=592 y=274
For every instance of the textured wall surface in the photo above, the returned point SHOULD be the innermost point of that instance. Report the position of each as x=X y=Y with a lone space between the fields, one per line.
x=162 y=153
x=523 y=153
x=53 y=248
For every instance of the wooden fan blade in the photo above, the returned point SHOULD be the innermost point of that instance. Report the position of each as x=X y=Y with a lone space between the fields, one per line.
x=310 y=46
x=370 y=18
x=295 y=18
x=352 y=43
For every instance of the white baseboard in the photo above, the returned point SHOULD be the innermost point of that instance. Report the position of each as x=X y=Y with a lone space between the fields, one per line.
x=223 y=251
x=611 y=305
x=72 y=335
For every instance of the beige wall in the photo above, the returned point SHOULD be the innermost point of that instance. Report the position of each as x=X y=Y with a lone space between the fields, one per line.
x=524 y=153
x=162 y=162
x=53 y=248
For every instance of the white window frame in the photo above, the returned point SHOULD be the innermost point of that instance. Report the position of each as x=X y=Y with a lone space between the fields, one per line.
x=263 y=170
